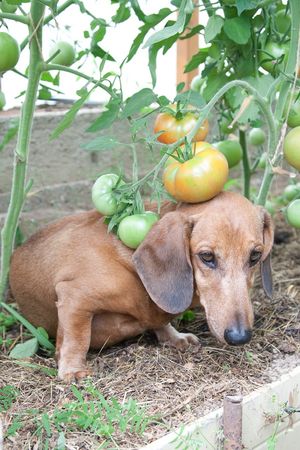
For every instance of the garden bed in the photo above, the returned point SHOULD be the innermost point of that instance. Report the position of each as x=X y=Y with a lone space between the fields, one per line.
x=171 y=387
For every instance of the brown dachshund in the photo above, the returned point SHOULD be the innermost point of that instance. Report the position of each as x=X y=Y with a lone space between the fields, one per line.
x=86 y=288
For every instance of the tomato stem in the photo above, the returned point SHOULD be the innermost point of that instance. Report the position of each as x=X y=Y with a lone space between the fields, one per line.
x=15 y=17
x=18 y=193
x=246 y=164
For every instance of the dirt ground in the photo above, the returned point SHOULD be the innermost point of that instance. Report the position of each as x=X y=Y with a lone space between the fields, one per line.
x=174 y=387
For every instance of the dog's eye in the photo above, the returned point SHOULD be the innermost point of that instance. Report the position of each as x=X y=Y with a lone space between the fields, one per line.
x=208 y=258
x=254 y=257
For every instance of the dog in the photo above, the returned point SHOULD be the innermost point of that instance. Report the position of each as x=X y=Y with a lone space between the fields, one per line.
x=89 y=290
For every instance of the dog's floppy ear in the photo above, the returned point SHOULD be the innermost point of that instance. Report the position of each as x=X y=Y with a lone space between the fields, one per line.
x=163 y=263
x=265 y=267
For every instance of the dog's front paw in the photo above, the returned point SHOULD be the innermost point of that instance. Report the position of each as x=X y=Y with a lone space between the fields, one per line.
x=73 y=374
x=169 y=336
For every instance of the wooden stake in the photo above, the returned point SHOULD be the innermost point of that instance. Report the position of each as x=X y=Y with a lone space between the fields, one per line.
x=232 y=422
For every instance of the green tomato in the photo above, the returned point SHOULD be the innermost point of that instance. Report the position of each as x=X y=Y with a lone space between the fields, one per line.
x=291 y=192
x=293 y=119
x=257 y=136
x=291 y=147
x=196 y=83
x=66 y=56
x=225 y=126
x=102 y=194
x=293 y=214
x=262 y=161
x=270 y=207
x=7 y=8
x=269 y=56
x=2 y=100
x=232 y=151
x=282 y=21
x=9 y=52
x=133 y=229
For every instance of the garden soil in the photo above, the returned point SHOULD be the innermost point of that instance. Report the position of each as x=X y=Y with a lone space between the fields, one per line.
x=174 y=387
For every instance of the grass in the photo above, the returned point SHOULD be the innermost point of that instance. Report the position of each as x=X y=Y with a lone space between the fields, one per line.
x=87 y=411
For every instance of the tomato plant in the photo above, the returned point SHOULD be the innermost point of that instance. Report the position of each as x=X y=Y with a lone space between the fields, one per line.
x=66 y=55
x=103 y=196
x=282 y=21
x=272 y=56
x=198 y=179
x=7 y=7
x=133 y=229
x=293 y=214
x=174 y=125
x=232 y=151
x=9 y=52
x=291 y=191
x=293 y=119
x=291 y=147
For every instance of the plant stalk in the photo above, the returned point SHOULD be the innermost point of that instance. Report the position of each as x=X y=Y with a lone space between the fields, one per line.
x=246 y=164
x=22 y=147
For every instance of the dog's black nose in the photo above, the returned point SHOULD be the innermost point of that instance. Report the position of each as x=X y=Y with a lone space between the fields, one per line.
x=237 y=336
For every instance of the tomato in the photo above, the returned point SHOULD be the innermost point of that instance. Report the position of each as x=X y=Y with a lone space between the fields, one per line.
x=133 y=229
x=262 y=161
x=269 y=55
x=293 y=214
x=9 y=52
x=257 y=136
x=175 y=128
x=225 y=126
x=232 y=151
x=293 y=119
x=291 y=147
x=196 y=83
x=2 y=100
x=102 y=194
x=282 y=21
x=270 y=207
x=7 y=8
x=66 y=56
x=291 y=192
x=198 y=179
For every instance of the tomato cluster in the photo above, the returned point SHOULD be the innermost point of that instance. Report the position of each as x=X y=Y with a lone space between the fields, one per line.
x=132 y=229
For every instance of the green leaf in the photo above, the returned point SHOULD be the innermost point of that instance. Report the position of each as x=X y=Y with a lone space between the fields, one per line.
x=190 y=98
x=106 y=118
x=177 y=27
x=137 y=10
x=101 y=143
x=243 y=5
x=213 y=27
x=44 y=94
x=71 y=114
x=214 y=82
x=153 y=50
x=196 y=60
x=238 y=29
x=10 y=133
x=61 y=441
x=96 y=50
x=46 y=424
x=34 y=331
x=25 y=350
x=138 y=101
x=122 y=14
x=192 y=32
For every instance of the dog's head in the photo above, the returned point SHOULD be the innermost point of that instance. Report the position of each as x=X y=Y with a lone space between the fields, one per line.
x=212 y=249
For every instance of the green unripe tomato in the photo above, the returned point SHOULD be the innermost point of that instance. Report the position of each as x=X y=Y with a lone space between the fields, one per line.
x=291 y=192
x=102 y=194
x=225 y=126
x=2 y=100
x=262 y=161
x=282 y=21
x=269 y=55
x=270 y=207
x=293 y=119
x=196 y=83
x=66 y=57
x=293 y=214
x=232 y=151
x=9 y=52
x=7 y=8
x=257 y=136
x=133 y=229
x=291 y=147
